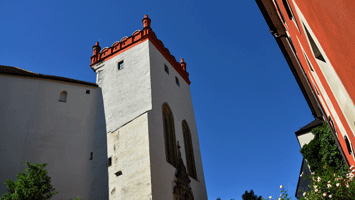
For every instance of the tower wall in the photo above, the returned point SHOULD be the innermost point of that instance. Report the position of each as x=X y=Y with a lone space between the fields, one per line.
x=165 y=89
x=127 y=99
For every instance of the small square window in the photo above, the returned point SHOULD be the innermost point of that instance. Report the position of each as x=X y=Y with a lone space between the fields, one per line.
x=87 y=91
x=166 y=69
x=120 y=65
x=119 y=173
x=177 y=81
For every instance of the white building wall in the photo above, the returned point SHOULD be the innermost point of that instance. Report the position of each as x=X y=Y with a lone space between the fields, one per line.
x=127 y=99
x=36 y=127
x=165 y=89
x=126 y=92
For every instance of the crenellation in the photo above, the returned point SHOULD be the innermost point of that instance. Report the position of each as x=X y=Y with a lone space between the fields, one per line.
x=136 y=38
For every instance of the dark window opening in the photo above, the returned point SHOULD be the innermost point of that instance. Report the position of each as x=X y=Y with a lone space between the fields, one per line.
x=278 y=8
x=288 y=9
x=87 y=91
x=109 y=162
x=63 y=96
x=189 y=152
x=166 y=69
x=169 y=135
x=314 y=47
x=309 y=63
x=120 y=65
x=91 y=155
x=347 y=144
x=119 y=173
x=177 y=81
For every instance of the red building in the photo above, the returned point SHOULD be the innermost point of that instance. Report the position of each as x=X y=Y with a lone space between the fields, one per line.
x=317 y=39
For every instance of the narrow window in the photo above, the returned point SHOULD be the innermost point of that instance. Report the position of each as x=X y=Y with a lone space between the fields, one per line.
x=166 y=69
x=309 y=64
x=120 y=65
x=347 y=144
x=332 y=124
x=314 y=47
x=315 y=87
x=169 y=135
x=288 y=9
x=189 y=152
x=278 y=8
x=109 y=161
x=87 y=91
x=63 y=96
x=177 y=81
x=91 y=156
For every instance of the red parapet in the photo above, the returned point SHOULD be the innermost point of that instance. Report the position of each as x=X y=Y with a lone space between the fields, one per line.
x=136 y=38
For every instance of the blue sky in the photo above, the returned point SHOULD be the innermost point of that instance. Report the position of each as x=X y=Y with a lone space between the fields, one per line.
x=247 y=102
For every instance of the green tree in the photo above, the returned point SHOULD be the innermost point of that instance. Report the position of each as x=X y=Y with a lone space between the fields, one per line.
x=32 y=184
x=250 y=196
x=322 y=151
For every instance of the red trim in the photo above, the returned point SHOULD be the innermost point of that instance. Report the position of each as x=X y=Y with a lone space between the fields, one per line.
x=137 y=38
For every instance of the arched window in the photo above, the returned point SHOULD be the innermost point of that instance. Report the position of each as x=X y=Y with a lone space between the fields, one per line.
x=169 y=135
x=63 y=96
x=189 y=151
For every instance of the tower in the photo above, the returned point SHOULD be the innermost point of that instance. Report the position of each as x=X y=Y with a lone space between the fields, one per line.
x=152 y=142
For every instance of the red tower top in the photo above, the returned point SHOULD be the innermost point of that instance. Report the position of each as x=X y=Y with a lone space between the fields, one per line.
x=135 y=39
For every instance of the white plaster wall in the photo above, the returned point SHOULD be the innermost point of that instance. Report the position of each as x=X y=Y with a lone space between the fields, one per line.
x=127 y=98
x=36 y=127
x=164 y=89
x=305 y=138
x=126 y=92
x=129 y=150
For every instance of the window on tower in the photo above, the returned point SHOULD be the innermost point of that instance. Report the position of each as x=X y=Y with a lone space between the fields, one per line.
x=120 y=65
x=166 y=69
x=63 y=96
x=189 y=152
x=169 y=135
x=177 y=81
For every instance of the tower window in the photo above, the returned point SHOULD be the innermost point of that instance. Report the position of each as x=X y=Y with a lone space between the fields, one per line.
x=189 y=152
x=166 y=69
x=177 y=81
x=109 y=161
x=169 y=135
x=118 y=173
x=91 y=155
x=120 y=65
x=63 y=96
x=87 y=91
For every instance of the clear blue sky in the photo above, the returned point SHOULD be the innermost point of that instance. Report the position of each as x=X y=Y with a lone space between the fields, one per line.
x=246 y=100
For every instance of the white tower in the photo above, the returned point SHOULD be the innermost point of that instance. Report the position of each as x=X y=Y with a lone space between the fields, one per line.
x=149 y=115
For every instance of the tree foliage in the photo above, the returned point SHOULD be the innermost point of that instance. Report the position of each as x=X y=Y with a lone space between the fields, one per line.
x=322 y=151
x=32 y=184
x=250 y=196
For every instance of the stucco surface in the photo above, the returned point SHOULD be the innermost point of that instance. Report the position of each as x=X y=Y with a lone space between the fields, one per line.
x=36 y=127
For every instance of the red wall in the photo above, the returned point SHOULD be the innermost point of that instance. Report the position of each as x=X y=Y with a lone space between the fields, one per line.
x=332 y=22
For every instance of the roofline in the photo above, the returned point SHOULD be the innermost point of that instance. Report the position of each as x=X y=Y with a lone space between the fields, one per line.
x=9 y=70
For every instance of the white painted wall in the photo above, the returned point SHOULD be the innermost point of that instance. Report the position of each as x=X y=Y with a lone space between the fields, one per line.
x=126 y=92
x=36 y=127
x=127 y=98
x=165 y=89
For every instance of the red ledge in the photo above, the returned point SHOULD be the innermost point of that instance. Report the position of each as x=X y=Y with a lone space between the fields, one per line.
x=135 y=39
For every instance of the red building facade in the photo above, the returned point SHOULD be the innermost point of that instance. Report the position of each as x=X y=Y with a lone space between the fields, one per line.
x=317 y=39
